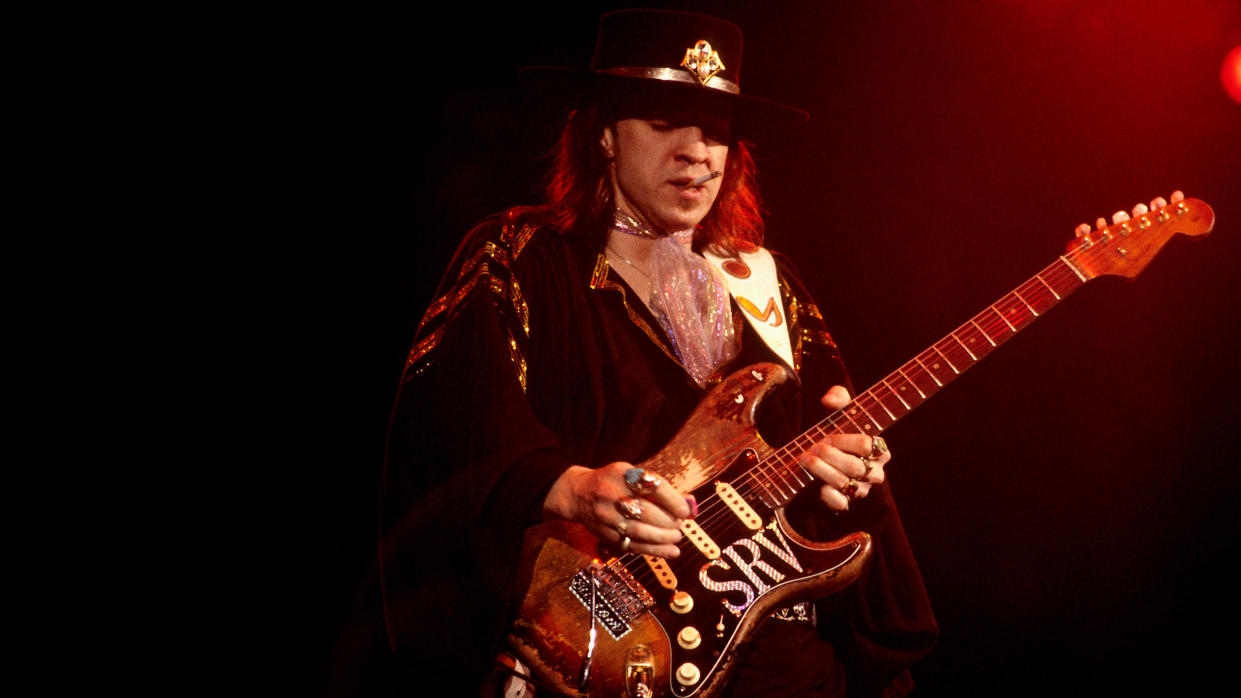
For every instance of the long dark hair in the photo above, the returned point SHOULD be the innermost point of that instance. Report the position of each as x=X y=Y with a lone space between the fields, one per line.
x=579 y=197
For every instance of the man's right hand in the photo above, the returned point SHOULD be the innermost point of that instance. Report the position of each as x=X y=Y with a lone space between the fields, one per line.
x=598 y=498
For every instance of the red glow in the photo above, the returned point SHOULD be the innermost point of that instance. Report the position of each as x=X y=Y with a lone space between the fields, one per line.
x=1230 y=74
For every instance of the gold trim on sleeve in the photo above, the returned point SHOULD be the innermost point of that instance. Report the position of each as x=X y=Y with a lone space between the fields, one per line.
x=813 y=311
x=523 y=236
x=519 y=304
x=518 y=360
x=600 y=274
x=818 y=337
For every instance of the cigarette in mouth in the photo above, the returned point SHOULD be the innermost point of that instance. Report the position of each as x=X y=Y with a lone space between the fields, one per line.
x=705 y=178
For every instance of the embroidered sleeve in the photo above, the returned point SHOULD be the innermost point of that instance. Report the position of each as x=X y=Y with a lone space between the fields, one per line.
x=806 y=327
x=484 y=269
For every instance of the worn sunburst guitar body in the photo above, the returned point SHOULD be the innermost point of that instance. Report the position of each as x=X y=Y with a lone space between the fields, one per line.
x=671 y=628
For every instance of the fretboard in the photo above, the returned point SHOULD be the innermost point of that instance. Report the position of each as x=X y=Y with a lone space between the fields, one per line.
x=879 y=407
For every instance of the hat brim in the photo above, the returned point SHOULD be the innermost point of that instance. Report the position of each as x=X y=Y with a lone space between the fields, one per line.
x=753 y=117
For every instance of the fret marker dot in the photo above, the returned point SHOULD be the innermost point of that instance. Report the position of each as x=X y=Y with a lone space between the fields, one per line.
x=866 y=426
x=934 y=365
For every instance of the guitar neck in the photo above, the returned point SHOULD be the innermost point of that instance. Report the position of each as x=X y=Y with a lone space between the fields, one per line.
x=879 y=407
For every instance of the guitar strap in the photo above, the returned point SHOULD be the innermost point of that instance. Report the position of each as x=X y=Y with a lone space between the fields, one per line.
x=753 y=283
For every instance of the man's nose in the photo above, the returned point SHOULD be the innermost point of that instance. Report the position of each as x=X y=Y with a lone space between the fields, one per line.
x=693 y=145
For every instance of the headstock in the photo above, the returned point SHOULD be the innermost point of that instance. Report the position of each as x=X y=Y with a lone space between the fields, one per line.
x=1125 y=247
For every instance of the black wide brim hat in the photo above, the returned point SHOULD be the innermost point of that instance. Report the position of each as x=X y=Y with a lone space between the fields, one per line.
x=672 y=56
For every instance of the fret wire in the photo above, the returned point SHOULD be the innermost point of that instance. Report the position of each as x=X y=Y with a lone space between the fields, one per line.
x=984 y=332
x=945 y=358
x=865 y=411
x=770 y=498
x=967 y=349
x=792 y=469
x=1023 y=300
x=876 y=399
x=1034 y=296
x=932 y=375
x=851 y=421
x=759 y=475
x=898 y=397
x=1006 y=322
x=907 y=380
x=752 y=487
x=780 y=484
x=1016 y=309
x=1073 y=268
x=997 y=323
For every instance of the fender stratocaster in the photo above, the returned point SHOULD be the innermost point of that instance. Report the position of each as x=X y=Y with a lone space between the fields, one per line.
x=637 y=626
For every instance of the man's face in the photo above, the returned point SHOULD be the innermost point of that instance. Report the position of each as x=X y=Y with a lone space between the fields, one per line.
x=654 y=161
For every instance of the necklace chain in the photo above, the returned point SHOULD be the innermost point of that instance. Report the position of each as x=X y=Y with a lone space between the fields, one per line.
x=625 y=259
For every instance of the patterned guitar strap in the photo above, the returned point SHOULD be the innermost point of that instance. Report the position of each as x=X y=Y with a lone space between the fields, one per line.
x=753 y=283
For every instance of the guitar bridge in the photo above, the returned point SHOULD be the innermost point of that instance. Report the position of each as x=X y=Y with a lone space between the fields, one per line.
x=618 y=597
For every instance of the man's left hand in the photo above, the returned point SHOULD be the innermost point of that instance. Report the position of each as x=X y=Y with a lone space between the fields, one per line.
x=848 y=464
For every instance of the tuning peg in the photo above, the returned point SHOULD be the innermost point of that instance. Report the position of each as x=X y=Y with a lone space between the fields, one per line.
x=1158 y=202
x=1120 y=217
x=1081 y=229
x=1100 y=223
x=1177 y=196
x=1140 y=210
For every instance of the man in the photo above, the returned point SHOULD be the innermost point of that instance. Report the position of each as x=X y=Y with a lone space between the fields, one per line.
x=571 y=340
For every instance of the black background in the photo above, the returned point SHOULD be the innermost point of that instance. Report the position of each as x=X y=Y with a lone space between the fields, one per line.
x=1071 y=501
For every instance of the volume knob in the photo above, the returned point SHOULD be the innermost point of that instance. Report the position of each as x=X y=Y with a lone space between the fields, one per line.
x=682 y=602
x=689 y=637
x=687 y=674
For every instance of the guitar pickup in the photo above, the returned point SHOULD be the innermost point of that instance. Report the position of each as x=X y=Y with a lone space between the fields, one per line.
x=739 y=506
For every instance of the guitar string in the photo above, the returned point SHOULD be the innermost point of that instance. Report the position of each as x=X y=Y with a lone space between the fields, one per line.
x=779 y=467
x=1033 y=289
x=832 y=425
x=1021 y=307
x=1037 y=288
x=1009 y=315
x=1024 y=301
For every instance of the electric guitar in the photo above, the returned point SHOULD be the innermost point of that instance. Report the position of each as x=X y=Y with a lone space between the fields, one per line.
x=644 y=627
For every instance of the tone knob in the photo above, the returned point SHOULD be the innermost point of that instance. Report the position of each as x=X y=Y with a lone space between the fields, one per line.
x=682 y=602
x=689 y=637
x=687 y=674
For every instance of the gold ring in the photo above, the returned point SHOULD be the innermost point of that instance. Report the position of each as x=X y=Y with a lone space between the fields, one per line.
x=622 y=527
x=850 y=488
x=624 y=544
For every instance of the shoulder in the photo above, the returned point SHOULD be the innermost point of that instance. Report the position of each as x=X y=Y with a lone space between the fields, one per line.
x=807 y=328
x=501 y=240
x=505 y=268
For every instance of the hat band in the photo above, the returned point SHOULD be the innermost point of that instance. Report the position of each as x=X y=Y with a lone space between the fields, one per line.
x=675 y=75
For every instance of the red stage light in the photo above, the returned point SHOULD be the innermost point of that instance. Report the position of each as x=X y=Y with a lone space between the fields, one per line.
x=1230 y=74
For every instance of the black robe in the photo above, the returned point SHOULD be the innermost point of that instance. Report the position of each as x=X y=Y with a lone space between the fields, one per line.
x=534 y=357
